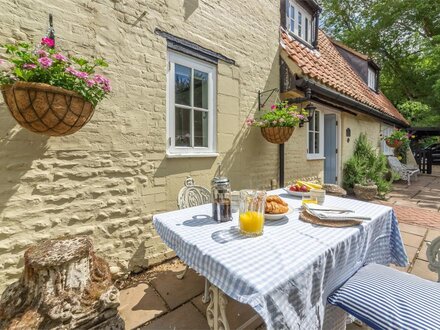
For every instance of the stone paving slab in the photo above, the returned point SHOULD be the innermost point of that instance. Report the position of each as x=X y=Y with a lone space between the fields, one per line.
x=186 y=316
x=174 y=291
x=140 y=304
x=412 y=240
x=421 y=269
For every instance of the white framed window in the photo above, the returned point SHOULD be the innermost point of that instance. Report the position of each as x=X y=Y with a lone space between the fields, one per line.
x=191 y=104
x=299 y=21
x=372 y=78
x=291 y=18
x=387 y=131
x=315 y=136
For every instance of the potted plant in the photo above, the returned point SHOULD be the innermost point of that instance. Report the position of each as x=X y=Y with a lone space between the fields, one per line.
x=48 y=92
x=397 y=138
x=365 y=190
x=277 y=124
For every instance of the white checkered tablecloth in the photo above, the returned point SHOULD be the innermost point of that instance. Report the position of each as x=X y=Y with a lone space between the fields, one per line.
x=287 y=273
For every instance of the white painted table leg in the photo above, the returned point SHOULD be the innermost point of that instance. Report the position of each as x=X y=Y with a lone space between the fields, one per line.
x=216 y=311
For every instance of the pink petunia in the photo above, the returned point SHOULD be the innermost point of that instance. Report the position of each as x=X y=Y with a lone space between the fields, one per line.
x=48 y=42
x=42 y=53
x=29 y=66
x=101 y=79
x=107 y=88
x=70 y=70
x=250 y=121
x=45 y=62
x=60 y=57
x=90 y=82
x=81 y=74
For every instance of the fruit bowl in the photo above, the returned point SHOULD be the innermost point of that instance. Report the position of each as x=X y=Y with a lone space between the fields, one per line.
x=297 y=193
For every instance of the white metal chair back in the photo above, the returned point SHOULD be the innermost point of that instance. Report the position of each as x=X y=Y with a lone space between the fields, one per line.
x=433 y=254
x=404 y=171
x=191 y=195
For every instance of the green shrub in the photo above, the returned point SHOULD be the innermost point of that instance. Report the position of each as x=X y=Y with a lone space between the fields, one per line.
x=366 y=166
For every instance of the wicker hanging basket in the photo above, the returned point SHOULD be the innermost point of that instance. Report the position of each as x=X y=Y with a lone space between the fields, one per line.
x=393 y=143
x=277 y=135
x=47 y=109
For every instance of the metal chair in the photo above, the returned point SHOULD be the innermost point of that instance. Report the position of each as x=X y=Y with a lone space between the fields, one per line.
x=403 y=170
x=191 y=195
x=433 y=254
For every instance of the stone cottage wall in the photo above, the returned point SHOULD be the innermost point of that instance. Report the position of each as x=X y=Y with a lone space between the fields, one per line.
x=109 y=178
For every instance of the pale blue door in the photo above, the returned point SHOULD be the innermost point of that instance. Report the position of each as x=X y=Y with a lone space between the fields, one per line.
x=330 y=149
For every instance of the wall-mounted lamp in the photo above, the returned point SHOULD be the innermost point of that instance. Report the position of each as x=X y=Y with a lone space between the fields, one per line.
x=310 y=108
x=348 y=134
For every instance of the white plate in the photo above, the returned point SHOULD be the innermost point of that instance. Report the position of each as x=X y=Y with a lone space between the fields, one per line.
x=268 y=216
x=297 y=193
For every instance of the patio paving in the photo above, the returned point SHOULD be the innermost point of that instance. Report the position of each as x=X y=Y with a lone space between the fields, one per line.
x=156 y=299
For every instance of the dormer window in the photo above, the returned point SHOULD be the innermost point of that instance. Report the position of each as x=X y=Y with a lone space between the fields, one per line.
x=372 y=78
x=300 y=22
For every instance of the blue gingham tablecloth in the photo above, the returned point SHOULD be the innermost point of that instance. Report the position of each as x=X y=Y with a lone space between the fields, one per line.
x=287 y=273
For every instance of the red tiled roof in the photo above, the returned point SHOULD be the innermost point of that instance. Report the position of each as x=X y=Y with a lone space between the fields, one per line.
x=328 y=67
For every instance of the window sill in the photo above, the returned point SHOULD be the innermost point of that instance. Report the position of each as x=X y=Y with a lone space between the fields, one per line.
x=315 y=157
x=192 y=155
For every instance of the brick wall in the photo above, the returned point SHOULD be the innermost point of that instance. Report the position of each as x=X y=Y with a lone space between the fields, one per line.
x=109 y=178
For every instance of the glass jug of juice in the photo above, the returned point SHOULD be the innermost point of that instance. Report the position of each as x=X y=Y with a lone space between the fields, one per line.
x=252 y=205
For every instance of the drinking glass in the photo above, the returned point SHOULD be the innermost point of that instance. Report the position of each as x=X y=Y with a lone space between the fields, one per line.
x=319 y=194
x=252 y=205
x=309 y=199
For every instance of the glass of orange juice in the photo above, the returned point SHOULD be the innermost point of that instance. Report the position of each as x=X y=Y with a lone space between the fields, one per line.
x=252 y=205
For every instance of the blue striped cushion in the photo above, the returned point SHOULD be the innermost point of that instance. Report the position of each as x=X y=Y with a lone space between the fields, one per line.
x=385 y=298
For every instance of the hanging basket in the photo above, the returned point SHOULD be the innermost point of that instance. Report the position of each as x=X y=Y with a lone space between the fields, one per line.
x=393 y=143
x=277 y=135
x=47 y=109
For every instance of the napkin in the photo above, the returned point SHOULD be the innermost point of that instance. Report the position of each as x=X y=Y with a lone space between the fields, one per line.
x=334 y=213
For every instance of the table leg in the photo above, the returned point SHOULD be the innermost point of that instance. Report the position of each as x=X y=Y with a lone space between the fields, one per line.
x=216 y=311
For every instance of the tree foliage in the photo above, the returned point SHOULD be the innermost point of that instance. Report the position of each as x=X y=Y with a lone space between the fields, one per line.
x=403 y=37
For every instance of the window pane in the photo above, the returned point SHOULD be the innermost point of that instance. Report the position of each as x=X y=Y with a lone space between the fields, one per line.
x=311 y=144
x=183 y=127
x=306 y=32
x=317 y=121
x=299 y=24
x=200 y=128
x=292 y=18
x=200 y=89
x=182 y=84
x=316 y=143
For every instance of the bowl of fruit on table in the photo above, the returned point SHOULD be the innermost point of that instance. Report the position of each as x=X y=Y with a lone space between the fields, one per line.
x=301 y=188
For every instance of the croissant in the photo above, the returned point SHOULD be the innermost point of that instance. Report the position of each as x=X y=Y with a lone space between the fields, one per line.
x=276 y=199
x=275 y=205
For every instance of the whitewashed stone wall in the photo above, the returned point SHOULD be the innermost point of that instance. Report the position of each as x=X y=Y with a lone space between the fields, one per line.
x=109 y=178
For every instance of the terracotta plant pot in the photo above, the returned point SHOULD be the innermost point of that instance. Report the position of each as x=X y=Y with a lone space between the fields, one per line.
x=365 y=192
x=393 y=143
x=47 y=109
x=277 y=135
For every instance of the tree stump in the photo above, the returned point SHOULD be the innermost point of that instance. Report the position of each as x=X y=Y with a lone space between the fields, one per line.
x=64 y=285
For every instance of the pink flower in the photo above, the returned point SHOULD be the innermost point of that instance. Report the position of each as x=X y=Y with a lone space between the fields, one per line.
x=101 y=79
x=60 y=57
x=45 y=62
x=2 y=61
x=29 y=66
x=48 y=42
x=273 y=106
x=42 y=53
x=70 y=70
x=81 y=74
x=90 y=82
x=107 y=88
x=250 y=121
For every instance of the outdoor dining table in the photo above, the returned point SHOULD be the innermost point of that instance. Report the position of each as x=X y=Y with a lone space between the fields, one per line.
x=287 y=273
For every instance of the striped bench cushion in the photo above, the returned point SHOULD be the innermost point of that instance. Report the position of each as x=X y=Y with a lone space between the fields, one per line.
x=385 y=298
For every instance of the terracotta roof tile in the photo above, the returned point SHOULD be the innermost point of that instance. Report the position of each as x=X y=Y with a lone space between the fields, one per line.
x=329 y=68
